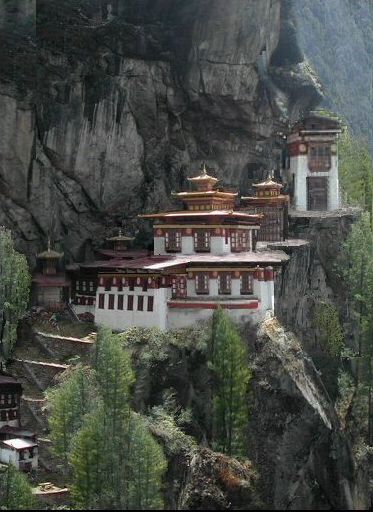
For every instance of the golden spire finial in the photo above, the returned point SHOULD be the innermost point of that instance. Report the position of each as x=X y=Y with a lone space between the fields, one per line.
x=204 y=170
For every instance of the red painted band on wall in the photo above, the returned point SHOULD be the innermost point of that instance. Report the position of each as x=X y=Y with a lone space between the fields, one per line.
x=211 y=305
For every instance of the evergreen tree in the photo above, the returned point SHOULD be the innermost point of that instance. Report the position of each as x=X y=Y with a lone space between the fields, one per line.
x=357 y=271
x=228 y=361
x=329 y=327
x=15 y=282
x=68 y=404
x=15 y=490
x=116 y=462
x=356 y=172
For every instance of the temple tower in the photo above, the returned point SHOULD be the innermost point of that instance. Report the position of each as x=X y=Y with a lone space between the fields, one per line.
x=270 y=202
x=312 y=163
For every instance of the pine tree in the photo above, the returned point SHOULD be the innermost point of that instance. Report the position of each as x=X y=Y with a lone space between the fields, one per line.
x=15 y=491
x=228 y=361
x=15 y=282
x=357 y=271
x=356 y=171
x=68 y=404
x=116 y=462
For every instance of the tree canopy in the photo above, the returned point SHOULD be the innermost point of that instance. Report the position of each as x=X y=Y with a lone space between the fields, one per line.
x=229 y=363
x=15 y=281
x=115 y=461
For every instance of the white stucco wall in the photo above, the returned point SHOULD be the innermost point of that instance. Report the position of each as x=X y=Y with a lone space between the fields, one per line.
x=299 y=167
x=119 y=320
x=80 y=309
x=180 y=318
x=8 y=456
x=11 y=423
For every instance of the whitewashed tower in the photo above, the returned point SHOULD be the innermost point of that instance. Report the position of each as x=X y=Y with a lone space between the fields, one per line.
x=312 y=163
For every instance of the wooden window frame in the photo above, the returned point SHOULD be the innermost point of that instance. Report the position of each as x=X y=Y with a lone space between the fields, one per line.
x=225 y=283
x=101 y=301
x=247 y=288
x=173 y=240
x=202 y=245
x=111 y=304
x=319 y=157
x=205 y=289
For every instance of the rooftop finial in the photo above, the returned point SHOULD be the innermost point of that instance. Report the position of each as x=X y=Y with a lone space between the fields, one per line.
x=49 y=245
x=204 y=170
x=120 y=232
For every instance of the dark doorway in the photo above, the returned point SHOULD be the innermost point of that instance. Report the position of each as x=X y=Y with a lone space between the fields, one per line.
x=317 y=193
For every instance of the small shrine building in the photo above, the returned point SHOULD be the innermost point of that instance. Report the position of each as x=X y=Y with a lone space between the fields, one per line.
x=17 y=445
x=312 y=163
x=273 y=205
x=51 y=288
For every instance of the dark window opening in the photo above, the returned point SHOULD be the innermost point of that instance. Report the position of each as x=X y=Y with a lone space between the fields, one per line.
x=120 y=302
x=150 y=303
x=202 y=283
x=130 y=303
x=225 y=283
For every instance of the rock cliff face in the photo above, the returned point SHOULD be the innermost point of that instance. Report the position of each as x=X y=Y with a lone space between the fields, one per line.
x=127 y=99
x=336 y=37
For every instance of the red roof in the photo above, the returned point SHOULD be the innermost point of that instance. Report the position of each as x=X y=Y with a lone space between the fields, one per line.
x=122 y=254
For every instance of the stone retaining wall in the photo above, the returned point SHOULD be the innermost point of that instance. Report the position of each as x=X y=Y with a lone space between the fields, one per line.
x=62 y=348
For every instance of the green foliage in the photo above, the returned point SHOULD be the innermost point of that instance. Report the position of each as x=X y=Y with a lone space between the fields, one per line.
x=357 y=271
x=69 y=403
x=356 y=171
x=15 y=282
x=356 y=265
x=15 y=491
x=116 y=463
x=151 y=346
x=228 y=361
x=327 y=322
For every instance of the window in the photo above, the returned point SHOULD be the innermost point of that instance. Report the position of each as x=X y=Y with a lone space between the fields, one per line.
x=173 y=240
x=239 y=241
x=179 y=287
x=120 y=302
x=131 y=284
x=77 y=285
x=246 y=283
x=202 y=283
x=225 y=283
x=150 y=303
x=130 y=303
x=202 y=241
x=91 y=286
x=111 y=301
x=140 y=303
x=107 y=284
x=319 y=157
x=101 y=301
